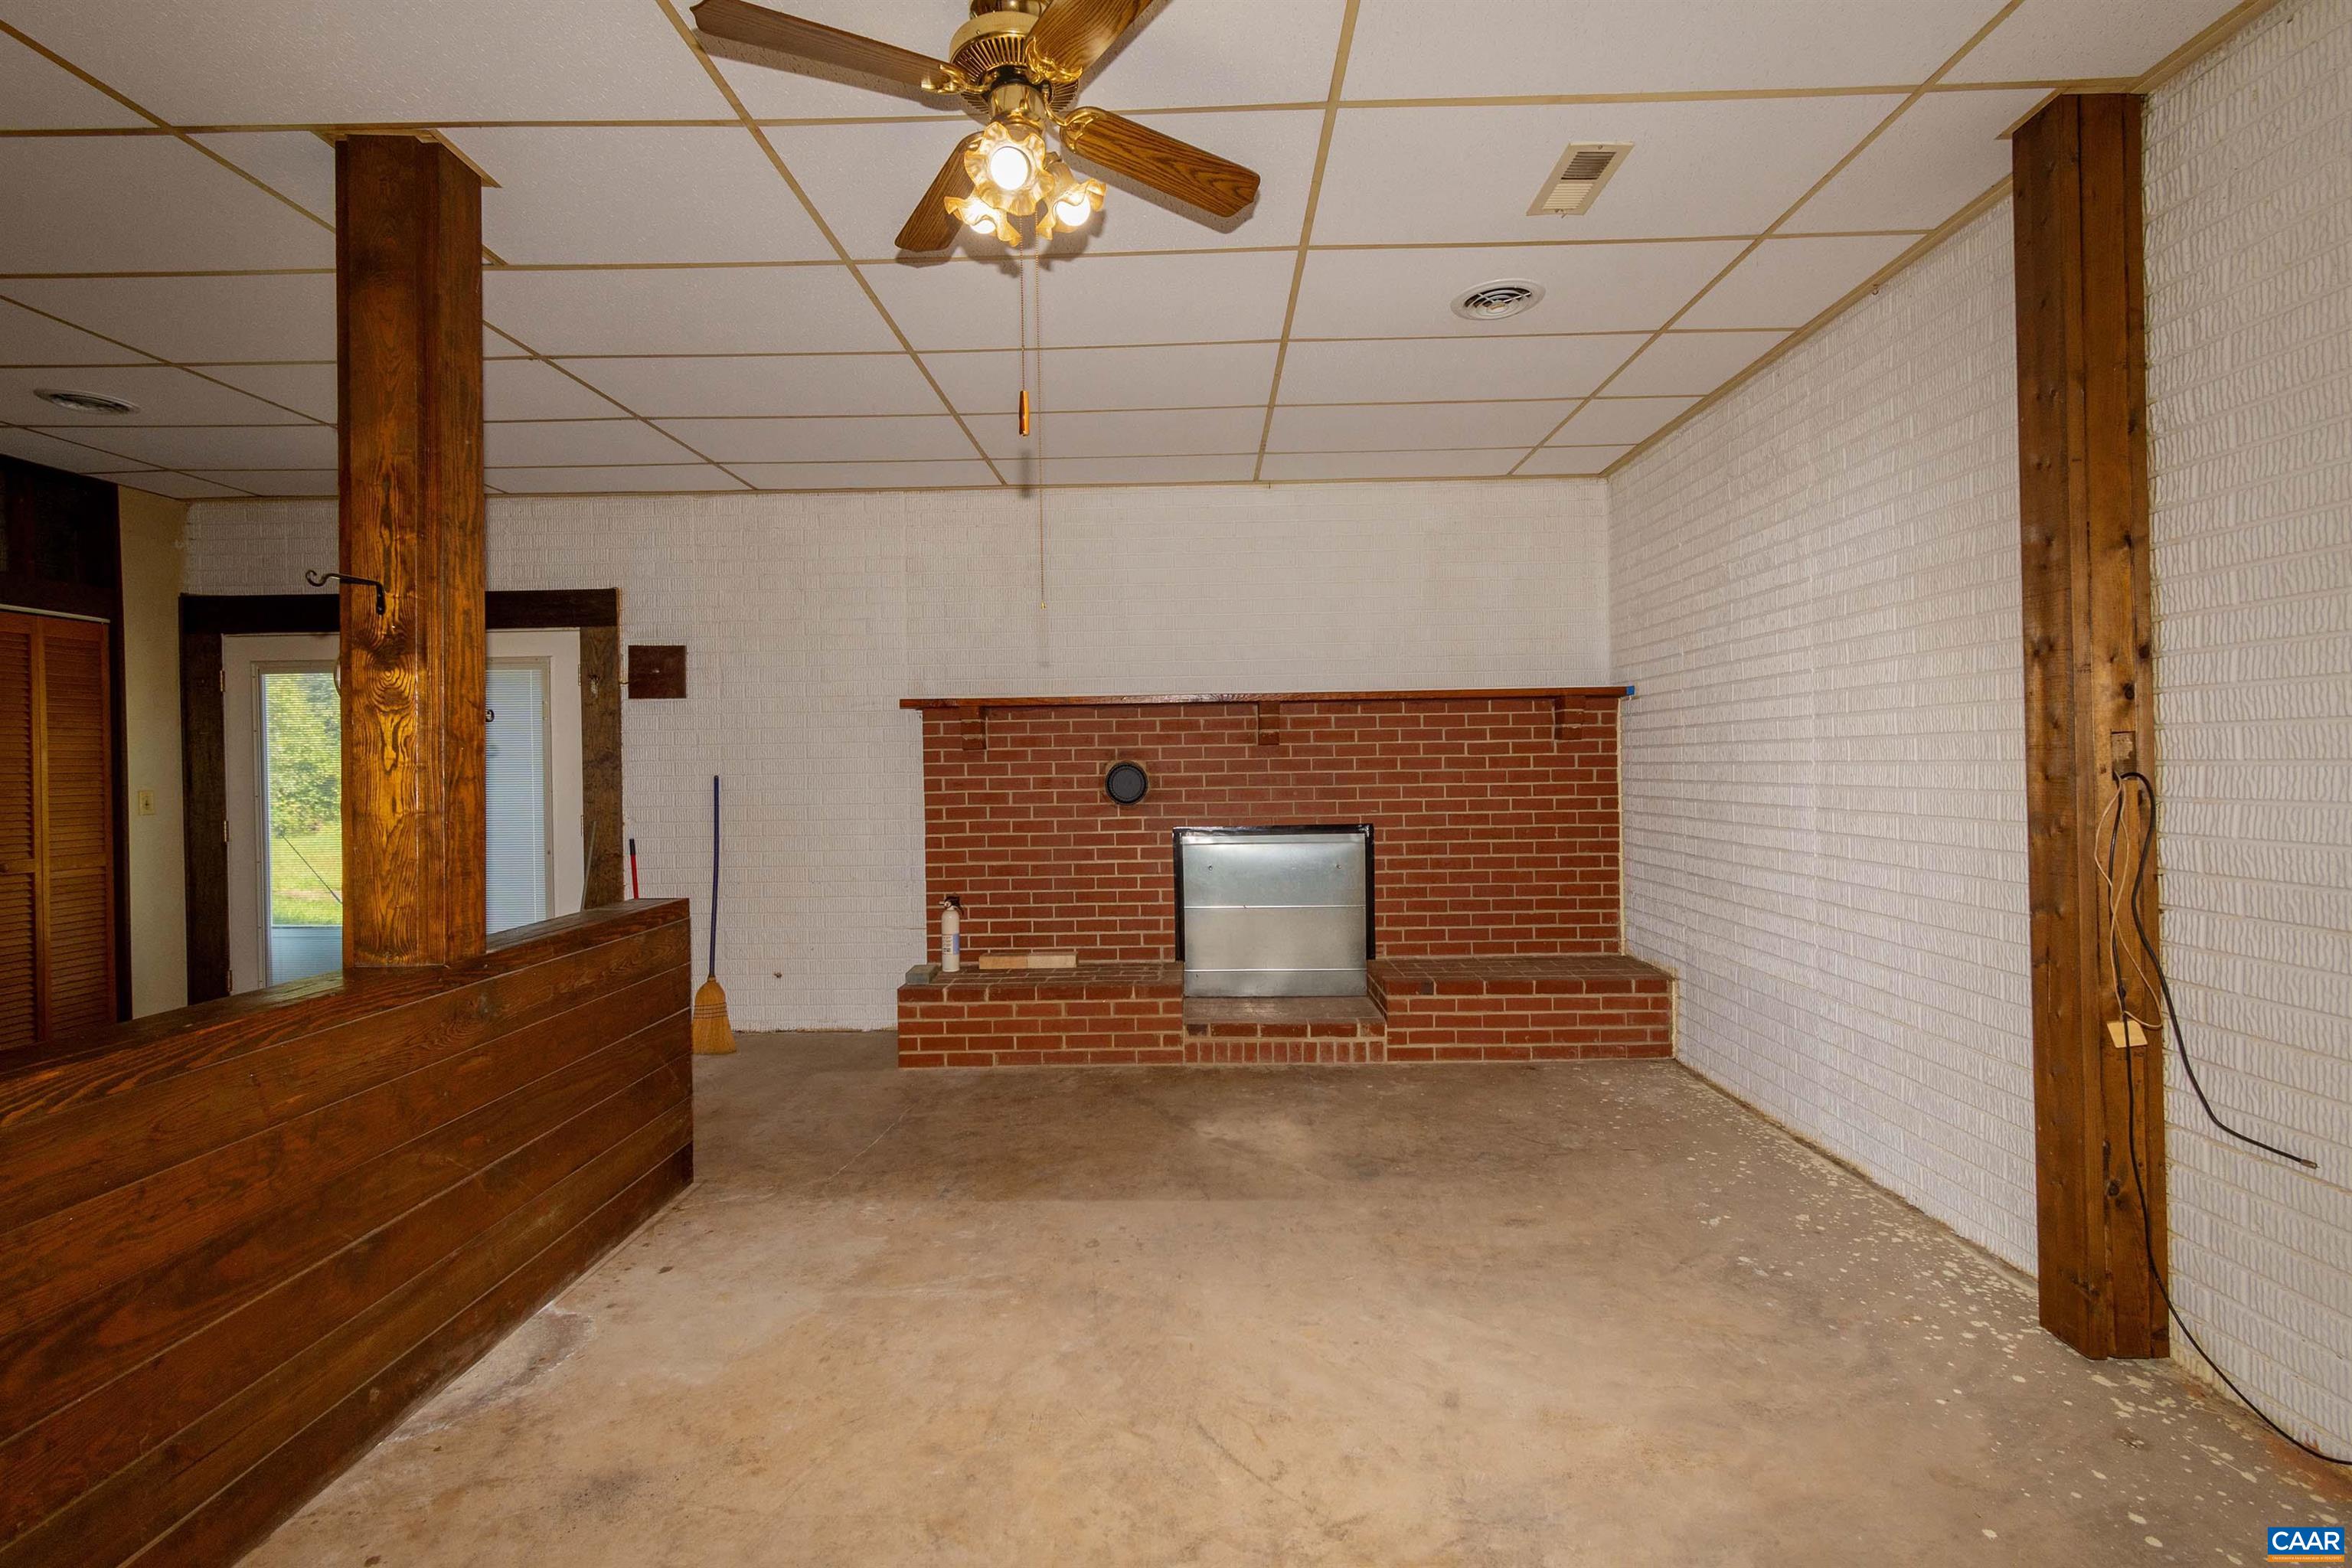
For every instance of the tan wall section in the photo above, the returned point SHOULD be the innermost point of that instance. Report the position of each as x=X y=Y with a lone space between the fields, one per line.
x=152 y=550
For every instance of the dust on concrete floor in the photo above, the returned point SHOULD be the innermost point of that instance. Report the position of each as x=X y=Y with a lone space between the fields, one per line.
x=1574 y=1314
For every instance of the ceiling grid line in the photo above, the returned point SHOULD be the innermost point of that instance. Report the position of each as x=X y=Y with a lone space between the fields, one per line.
x=824 y=362
x=1307 y=225
x=2001 y=14
x=719 y=79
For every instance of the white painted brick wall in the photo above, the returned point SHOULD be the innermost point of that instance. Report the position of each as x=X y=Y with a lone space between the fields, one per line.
x=2249 y=413
x=1815 y=589
x=806 y=618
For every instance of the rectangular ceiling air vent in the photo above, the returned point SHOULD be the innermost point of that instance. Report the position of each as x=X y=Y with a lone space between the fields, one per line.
x=1576 y=180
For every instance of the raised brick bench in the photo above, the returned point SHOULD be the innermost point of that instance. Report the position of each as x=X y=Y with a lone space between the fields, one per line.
x=1097 y=1014
x=1524 y=1009
x=1420 y=1010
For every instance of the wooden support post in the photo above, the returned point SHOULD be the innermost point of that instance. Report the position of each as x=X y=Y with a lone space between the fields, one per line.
x=2089 y=700
x=408 y=330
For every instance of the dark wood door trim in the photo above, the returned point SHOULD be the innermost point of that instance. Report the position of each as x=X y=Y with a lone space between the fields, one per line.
x=205 y=618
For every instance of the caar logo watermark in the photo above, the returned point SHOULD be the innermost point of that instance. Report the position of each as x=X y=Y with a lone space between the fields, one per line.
x=2307 y=1543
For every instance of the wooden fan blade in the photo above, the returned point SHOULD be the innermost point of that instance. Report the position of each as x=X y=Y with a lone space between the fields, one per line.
x=1178 y=168
x=1072 y=34
x=932 y=227
x=738 y=30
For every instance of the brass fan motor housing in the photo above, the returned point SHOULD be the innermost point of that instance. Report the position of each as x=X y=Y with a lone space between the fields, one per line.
x=992 y=51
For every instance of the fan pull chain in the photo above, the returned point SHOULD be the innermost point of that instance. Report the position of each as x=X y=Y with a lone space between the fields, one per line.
x=1022 y=288
x=1040 y=313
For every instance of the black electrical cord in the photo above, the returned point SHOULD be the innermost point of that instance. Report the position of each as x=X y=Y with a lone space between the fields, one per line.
x=2131 y=1095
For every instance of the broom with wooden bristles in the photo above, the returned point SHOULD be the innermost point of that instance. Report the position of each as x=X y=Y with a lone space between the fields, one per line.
x=712 y=1037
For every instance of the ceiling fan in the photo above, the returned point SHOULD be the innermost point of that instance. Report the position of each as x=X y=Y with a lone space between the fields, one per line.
x=1018 y=62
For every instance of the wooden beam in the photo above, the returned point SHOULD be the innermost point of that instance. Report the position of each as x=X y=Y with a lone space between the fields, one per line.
x=2089 y=706
x=1244 y=698
x=408 y=304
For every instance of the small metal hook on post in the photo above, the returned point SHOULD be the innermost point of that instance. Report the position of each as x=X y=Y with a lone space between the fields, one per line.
x=320 y=579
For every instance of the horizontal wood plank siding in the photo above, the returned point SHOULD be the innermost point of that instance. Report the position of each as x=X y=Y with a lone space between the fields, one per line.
x=238 y=1241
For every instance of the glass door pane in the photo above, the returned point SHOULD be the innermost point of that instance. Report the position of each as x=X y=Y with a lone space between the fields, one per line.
x=516 y=792
x=303 y=822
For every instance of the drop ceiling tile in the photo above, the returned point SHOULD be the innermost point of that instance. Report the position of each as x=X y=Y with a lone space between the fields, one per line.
x=1180 y=375
x=1609 y=421
x=27 y=337
x=295 y=164
x=38 y=94
x=553 y=443
x=179 y=487
x=1588 y=288
x=1788 y=282
x=1150 y=432
x=2066 y=40
x=511 y=389
x=133 y=204
x=275 y=481
x=1236 y=467
x=1412 y=425
x=1221 y=51
x=278 y=62
x=1691 y=362
x=198 y=320
x=1696 y=168
x=533 y=389
x=206 y=448
x=307 y=388
x=162 y=396
x=618 y=479
x=1516 y=48
x=867 y=475
x=64 y=450
x=690 y=311
x=1397 y=465
x=636 y=193
x=1573 y=461
x=1944 y=153
x=865 y=179
x=1206 y=297
x=1393 y=370
x=901 y=437
x=768 y=383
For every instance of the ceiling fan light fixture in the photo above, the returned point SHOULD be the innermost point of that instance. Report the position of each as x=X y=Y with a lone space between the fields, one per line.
x=1007 y=166
x=1071 y=202
x=983 y=218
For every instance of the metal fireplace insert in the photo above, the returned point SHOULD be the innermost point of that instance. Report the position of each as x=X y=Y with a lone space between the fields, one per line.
x=1274 y=912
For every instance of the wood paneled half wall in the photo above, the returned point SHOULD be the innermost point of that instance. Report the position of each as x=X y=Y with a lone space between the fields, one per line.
x=238 y=1241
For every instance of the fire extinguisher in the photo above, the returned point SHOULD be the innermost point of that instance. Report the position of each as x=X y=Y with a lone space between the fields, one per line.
x=951 y=935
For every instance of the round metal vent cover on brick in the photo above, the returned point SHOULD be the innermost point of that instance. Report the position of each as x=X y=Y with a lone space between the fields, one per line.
x=1502 y=297
x=1127 y=782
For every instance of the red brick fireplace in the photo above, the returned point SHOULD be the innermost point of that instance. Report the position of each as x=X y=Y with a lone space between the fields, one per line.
x=1494 y=817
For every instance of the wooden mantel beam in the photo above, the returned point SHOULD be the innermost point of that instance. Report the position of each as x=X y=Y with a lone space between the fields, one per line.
x=408 y=329
x=2089 y=709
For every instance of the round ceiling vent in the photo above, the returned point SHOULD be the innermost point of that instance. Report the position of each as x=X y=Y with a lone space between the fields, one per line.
x=1127 y=782
x=84 y=402
x=1502 y=297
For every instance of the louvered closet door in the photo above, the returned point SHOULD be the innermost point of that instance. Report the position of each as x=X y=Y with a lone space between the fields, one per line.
x=57 y=830
x=77 y=813
x=19 y=997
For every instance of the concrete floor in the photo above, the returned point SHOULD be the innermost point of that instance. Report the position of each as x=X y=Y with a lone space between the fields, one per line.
x=1582 y=1313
